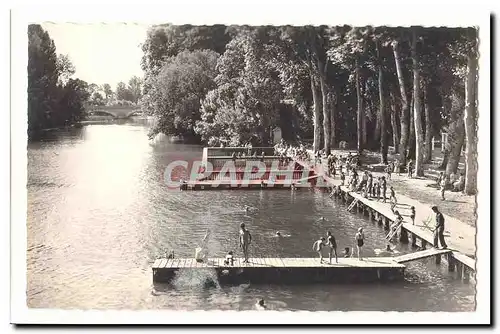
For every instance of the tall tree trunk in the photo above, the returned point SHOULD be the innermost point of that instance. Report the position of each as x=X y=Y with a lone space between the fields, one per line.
x=333 y=107
x=360 y=107
x=419 y=131
x=394 y=124
x=326 y=112
x=405 y=110
x=383 y=130
x=410 y=148
x=317 y=114
x=456 y=134
x=365 y=129
x=428 y=128
x=376 y=131
x=470 y=120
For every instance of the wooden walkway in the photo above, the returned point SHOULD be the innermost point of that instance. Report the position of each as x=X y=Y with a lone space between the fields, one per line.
x=421 y=255
x=459 y=236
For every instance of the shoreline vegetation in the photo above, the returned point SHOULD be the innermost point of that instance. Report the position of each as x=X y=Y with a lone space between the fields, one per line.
x=369 y=87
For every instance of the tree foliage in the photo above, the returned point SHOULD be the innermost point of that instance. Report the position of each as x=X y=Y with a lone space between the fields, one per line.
x=175 y=94
x=326 y=84
x=54 y=99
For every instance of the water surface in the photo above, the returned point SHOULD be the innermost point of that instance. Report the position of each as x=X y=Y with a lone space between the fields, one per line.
x=99 y=214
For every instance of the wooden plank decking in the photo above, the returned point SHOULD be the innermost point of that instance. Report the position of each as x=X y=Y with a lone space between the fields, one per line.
x=458 y=235
x=372 y=262
x=282 y=270
x=420 y=255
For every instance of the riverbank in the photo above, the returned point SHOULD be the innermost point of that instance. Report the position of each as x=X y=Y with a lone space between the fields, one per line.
x=424 y=190
x=459 y=235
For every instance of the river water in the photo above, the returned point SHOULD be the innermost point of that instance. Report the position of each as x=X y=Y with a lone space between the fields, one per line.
x=99 y=214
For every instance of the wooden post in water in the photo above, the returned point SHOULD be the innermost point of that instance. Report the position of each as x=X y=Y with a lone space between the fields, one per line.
x=403 y=235
x=451 y=262
x=370 y=214
x=438 y=259
x=424 y=243
x=386 y=223
x=460 y=268
x=413 y=240
x=465 y=273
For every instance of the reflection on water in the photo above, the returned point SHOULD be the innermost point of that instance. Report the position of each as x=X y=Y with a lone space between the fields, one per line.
x=99 y=215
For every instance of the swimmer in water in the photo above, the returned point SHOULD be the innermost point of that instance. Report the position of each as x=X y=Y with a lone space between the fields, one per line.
x=260 y=305
x=388 y=251
x=278 y=234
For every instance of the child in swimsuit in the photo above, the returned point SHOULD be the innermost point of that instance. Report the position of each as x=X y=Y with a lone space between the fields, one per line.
x=332 y=243
x=318 y=247
x=412 y=216
x=360 y=241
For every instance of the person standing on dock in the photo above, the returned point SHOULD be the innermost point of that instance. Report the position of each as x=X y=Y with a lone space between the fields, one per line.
x=393 y=199
x=360 y=241
x=370 y=184
x=439 y=230
x=412 y=215
x=342 y=177
x=245 y=241
x=376 y=188
x=332 y=244
x=318 y=247
x=384 y=187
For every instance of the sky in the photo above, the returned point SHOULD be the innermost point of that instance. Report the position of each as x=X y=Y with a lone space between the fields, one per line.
x=101 y=53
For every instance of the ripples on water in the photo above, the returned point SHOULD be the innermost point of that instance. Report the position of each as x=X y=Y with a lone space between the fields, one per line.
x=99 y=214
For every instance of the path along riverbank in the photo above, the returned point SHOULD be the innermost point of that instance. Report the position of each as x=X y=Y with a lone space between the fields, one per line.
x=460 y=236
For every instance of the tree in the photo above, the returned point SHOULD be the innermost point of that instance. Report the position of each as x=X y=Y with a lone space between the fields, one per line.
x=135 y=88
x=108 y=92
x=244 y=106
x=417 y=112
x=470 y=117
x=405 y=110
x=42 y=79
x=175 y=95
x=123 y=93
x=383 y=116
x=65 y=68
x=73 y=96
x=167 y=40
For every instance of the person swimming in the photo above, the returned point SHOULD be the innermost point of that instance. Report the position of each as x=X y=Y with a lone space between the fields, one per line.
x=388 y=251
x=278 y=234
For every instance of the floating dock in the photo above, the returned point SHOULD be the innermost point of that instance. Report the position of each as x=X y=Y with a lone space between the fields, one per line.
x=285 y=270
x=296 y=270
x=379 y=211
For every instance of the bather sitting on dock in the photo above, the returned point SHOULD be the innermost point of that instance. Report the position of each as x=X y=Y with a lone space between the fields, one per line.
x=347 y=252
x=229 y=260
x=260 y=305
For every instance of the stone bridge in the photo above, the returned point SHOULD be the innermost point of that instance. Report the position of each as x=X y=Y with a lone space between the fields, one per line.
x=119 y=112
